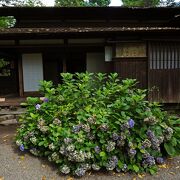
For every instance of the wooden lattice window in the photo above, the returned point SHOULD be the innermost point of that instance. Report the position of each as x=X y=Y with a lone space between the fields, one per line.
x=164 y=55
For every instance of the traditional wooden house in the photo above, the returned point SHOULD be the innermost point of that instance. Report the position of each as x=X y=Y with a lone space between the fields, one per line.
x=142 y=43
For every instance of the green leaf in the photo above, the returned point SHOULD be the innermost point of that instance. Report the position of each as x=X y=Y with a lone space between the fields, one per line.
x=174 y=120
x=41 y=143
x=33 y=115
x=47 y=153
x=130 y=167
x=59 y=129
x=102 y=154
x=136 y=168
x=59 y=161
x=169 y=149
x=152 y=171
x=117 y=122
x=177 y=129
x=24 y=104
x=174 y=141
x=120 y=164
x=102 y=141
x=142 y=151
x=123 y=114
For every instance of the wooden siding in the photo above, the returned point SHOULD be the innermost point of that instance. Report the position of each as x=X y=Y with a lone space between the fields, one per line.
x=164 y=72
x=134 y=68
x=165 y=85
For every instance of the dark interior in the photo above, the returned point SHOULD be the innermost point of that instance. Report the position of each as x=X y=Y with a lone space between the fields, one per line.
x=8 y=74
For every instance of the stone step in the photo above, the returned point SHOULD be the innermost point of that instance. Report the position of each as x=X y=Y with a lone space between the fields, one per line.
x=9 y=112
x=6 y=117
x=9 y=122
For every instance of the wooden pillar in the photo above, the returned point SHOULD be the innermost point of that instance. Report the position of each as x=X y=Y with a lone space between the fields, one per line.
x=64 y=65
x=20 y=74
x=65 y=55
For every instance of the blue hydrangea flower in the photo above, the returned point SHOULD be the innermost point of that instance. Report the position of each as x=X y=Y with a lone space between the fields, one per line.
x=131 y=123
x=38 y=106
x=21 y=147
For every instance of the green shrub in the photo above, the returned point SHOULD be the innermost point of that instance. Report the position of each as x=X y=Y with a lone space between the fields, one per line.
x=97 y=122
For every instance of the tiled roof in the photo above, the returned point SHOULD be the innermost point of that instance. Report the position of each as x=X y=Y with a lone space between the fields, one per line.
x=85 y=30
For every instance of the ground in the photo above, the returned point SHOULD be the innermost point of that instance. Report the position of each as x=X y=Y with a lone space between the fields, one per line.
x=16 y=165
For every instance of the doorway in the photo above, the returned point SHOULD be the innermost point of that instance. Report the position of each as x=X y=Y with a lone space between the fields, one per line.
x=8 y=75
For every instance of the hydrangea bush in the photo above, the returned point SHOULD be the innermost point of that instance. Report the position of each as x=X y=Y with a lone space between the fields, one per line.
x=96 y=121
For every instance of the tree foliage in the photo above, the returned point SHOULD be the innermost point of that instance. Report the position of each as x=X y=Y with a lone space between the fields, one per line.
x=76 y=3
x=69 y=3
x=30 y=3
x=140 y=3
x=6 y=22
x=100 y=2
x=150 y=3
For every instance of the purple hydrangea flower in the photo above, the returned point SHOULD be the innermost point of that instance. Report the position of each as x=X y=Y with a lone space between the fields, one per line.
x=21 y=147
x=149 y=161
x=131 y=123
x=46 y=100
x=114 y=159
x=142 y=147
x=97 y=149
x=115 y=136
x=80 y=172
x=132 y=152
x=76 y=128
x=150 y=134
x=160 y=160
x=38 y=106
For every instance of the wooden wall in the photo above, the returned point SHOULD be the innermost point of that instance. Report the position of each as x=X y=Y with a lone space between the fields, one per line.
x=134 y=68
x=164 y=71
x=165 y=85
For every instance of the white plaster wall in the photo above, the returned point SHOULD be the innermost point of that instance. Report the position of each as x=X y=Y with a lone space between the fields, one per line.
x=95 y=62
x=32 y=71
